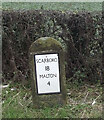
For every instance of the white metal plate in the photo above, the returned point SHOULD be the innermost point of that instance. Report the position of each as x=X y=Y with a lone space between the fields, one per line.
x=47 y=73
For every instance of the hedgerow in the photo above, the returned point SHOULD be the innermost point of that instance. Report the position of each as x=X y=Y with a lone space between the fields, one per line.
x=79 y=33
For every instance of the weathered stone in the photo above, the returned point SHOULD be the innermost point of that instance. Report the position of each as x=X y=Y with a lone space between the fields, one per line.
x=47 y=45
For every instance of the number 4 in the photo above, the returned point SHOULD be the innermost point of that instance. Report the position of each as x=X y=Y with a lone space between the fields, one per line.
x=48 y=83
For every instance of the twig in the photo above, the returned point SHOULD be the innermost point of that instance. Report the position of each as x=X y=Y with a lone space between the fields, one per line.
x=5 y=86
x=25 y=97
x=24 y=87
x=86 y=96
x=95 y=100
x=30 y=100
x=21 y=104
x=83 y=114
x=13 y=98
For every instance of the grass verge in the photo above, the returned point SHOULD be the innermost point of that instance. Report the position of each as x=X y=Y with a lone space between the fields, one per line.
x=83 y=102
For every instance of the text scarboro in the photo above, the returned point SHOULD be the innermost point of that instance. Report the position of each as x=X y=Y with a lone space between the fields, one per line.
x=46 y=60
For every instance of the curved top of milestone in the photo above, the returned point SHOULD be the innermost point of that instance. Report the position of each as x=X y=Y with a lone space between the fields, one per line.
x=45 y=44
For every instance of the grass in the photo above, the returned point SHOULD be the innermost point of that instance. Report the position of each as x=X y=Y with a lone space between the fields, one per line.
x=71 y=6
x=17 y=103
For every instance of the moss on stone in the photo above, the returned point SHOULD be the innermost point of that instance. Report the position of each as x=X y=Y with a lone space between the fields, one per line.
x=45 y=43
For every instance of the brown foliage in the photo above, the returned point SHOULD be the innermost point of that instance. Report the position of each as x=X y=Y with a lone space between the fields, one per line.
x=75 y=30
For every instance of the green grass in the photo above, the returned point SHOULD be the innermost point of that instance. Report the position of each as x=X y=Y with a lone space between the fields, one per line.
x=78 y=6
x=18 y=103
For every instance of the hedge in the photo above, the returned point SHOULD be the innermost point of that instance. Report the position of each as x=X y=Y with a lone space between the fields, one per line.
x=79 y=33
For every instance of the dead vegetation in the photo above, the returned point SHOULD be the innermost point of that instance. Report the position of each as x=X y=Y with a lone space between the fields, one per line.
x=80 y=34
x=82 y=102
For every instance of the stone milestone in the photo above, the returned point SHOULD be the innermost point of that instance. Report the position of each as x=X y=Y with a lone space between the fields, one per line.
x=47 y=73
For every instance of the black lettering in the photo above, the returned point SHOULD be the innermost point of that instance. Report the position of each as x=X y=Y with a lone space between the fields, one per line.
x=46 y=60
x=41 y=76
x=47 y=75
x=47 y=68
x=48 y=83
x=38 y=60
